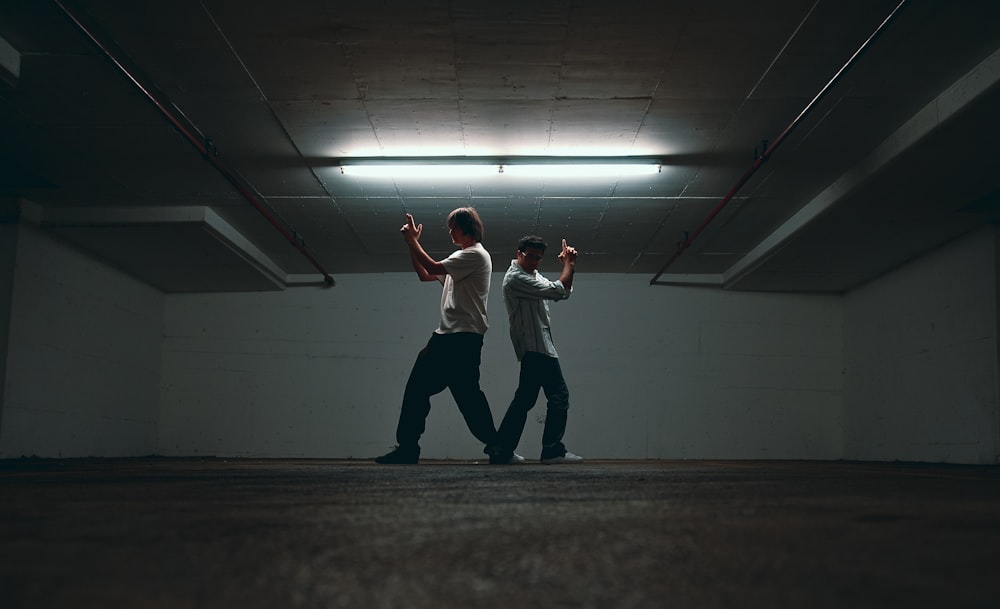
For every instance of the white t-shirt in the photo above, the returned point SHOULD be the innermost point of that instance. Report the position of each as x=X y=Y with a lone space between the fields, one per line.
x=466 y=289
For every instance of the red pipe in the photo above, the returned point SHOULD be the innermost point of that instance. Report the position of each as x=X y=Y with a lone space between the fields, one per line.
x=204 y=146
x=770 y=149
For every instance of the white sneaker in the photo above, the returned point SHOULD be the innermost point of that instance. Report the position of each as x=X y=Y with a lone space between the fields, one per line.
x=567 y=458
x=515 y=459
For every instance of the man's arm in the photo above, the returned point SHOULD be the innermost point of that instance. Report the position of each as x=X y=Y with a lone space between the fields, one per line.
x=422 y=273
x=568 y=257
x=426 y=267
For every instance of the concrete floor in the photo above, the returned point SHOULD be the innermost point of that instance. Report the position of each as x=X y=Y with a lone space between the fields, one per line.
x=605 y=534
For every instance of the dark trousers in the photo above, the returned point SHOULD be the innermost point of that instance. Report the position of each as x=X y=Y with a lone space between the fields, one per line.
x=538 y=371
x=452 y=361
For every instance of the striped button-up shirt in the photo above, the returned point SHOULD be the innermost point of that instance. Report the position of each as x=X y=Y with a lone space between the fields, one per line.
x=527 y=297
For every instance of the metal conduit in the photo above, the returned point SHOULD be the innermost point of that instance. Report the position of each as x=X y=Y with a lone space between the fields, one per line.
x=774 y=145
x=203 y=144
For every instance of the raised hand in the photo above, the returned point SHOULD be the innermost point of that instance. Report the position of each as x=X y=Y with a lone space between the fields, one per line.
x=568 y=254
x=410 y=230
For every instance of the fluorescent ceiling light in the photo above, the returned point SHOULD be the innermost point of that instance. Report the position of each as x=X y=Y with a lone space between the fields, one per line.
x=418 y=170
x=470 y=167
x=581 y=170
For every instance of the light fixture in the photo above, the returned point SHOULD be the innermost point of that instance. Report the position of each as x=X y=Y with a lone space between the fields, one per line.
x=470 y=167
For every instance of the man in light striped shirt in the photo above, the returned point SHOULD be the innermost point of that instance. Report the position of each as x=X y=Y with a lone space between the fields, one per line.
x=527 y=294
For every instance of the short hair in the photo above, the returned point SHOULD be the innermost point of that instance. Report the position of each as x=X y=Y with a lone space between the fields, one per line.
x=531 y=241
x=466 y=219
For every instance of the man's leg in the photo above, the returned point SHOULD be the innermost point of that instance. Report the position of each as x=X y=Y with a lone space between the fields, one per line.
x=464 y=356
x=557 y=408
x=427 y=378
x=528 y=385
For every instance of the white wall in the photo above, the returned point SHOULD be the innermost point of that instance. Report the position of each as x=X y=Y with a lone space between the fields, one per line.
x=653 y=372
x=921 y=359
x=666 y=372
x=83 y=358
x=101 y=365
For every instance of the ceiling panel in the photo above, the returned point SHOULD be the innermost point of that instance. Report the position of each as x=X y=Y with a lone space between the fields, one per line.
x=278 y=92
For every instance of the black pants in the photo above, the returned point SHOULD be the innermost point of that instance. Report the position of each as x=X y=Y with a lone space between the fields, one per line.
x=538 y=371
x=448 y=361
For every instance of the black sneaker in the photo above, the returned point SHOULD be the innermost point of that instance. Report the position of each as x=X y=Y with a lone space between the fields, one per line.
x=399 y=456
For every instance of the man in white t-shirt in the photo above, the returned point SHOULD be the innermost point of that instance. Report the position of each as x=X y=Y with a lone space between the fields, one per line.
x=452 y=356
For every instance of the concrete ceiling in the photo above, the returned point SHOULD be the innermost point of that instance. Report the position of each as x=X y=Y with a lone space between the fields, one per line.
x=194 y=143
